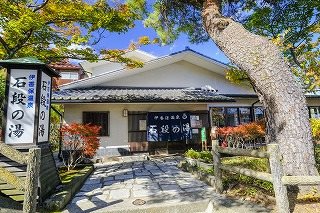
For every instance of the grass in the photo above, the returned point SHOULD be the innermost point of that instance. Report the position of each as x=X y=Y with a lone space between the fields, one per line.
x=67 y=176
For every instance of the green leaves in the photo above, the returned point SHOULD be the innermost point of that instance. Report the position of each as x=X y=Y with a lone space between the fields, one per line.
x=47 y=29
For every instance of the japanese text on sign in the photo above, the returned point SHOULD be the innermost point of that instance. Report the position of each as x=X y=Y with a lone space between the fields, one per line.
x=168 y=126
x=43 y=129
x=21 y=106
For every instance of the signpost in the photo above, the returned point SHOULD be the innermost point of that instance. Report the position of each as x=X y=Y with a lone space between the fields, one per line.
x=26 y=122
x=27 y=104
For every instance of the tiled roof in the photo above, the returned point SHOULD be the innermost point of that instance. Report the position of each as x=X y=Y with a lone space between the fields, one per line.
x=64 y=65
x=137 y=95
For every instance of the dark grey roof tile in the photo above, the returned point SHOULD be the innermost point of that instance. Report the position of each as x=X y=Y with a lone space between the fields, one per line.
x=137 y=95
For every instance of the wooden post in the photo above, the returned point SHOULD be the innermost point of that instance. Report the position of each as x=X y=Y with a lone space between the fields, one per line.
x=216 y=165
x=280 y=189
x=31 y=190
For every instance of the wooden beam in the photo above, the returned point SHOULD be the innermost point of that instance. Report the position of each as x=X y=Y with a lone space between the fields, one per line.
x=13 y=154
x=11 y=179
x=301 y=180
x=248 y=172
x=243 y=152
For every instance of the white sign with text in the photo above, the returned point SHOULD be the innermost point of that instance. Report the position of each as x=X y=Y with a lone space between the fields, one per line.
x=21 y=107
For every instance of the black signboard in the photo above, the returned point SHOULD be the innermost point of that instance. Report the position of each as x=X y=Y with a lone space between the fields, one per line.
x=168 y=126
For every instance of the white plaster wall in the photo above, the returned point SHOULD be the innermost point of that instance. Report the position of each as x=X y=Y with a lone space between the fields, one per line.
x=106 y=68
x=180 y=74
x=119 y=124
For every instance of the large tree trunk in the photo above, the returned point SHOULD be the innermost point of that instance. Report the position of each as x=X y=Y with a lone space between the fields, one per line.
x=282 y=96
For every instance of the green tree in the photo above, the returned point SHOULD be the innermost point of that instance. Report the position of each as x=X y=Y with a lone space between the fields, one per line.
x=2 y=92
x=294 y=31
x=264 y=62
x=55 y=29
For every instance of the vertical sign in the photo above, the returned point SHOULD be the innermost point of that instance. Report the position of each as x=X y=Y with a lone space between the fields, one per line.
x=45 y=88
x=21 y=106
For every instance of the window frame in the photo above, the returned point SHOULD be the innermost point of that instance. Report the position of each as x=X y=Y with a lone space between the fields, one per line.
x=69 y=73
x=225 y=110
x=107 y=134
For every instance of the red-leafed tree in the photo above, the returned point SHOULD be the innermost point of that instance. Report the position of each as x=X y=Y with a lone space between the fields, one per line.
x=79 y=141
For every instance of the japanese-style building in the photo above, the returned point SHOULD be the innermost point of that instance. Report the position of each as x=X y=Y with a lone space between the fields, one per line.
x=170 y=103
x=68 y=72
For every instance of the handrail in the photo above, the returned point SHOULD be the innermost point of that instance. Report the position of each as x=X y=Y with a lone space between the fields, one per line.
x=248 y=172
x=12 y=179
x=30 y=185
x=277 y=177
x=243 y=152
x=301 y=180
x=13 y=154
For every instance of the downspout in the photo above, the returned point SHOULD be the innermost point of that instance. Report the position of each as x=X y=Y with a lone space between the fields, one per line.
x=252 y=110
x=60 y=133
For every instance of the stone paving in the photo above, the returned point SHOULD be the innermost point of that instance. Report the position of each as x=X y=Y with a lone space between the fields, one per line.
x=113 y=187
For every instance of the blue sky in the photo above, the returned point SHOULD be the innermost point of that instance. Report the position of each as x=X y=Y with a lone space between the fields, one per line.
x=121 y=41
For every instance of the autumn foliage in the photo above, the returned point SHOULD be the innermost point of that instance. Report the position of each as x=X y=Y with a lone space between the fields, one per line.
x=248 y=131
x=79 y=141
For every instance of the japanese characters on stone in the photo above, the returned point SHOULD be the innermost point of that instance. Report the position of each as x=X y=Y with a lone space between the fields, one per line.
x=44 y=107
x=169 y=126
x=21 y=106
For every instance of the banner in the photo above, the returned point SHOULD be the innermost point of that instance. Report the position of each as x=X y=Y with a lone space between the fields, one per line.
x=168 y=126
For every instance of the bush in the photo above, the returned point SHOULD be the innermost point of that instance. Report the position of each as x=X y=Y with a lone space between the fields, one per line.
x=317 y=156
x=206 y=156
x=192 y=154
x=315 y=128
x=79 y=141
x=248 y=131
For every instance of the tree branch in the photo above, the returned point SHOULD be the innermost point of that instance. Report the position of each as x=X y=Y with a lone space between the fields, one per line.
x=5 y=45
x=40 y=6
x=294 y=57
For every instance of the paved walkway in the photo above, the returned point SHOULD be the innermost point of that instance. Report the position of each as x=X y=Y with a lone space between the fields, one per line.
x=156 y=185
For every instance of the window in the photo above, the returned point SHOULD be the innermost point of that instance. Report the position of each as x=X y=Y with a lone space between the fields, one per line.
x=314 y=112
x=258 y=113
x=69 y=75
x=245 y=115
x=231 y=117
x=217 y=116
x=99 y=119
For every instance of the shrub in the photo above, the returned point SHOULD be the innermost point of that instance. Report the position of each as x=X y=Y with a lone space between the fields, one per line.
x=192 y=154
x=315 y=128
x=79 y=141
x=206 y=156
x=247 y=131
x=317 y=156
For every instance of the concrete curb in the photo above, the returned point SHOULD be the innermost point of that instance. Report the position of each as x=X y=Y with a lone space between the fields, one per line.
x=191 y=167
x=61 y=198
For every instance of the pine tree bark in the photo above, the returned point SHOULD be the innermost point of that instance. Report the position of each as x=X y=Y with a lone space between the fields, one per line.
x=282 y=96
